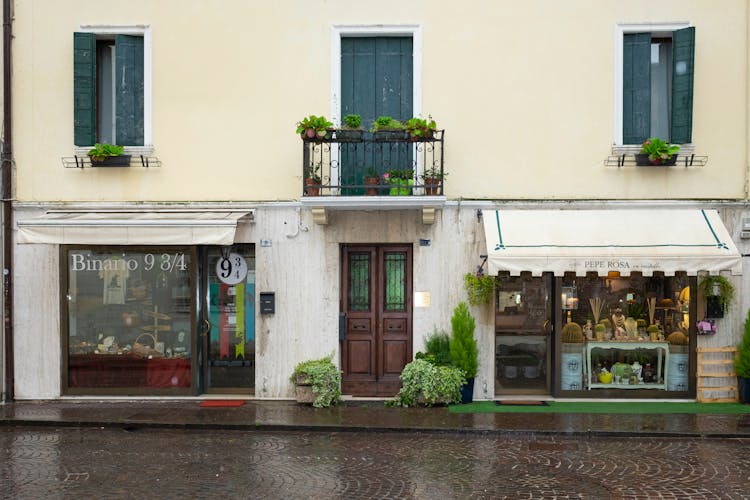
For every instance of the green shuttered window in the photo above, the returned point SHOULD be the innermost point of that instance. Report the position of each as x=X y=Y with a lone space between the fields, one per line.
x=108 y=90
x=657 y=86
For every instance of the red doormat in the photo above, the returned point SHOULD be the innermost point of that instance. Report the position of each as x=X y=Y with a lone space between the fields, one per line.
x=221 y=403
x=521 y=403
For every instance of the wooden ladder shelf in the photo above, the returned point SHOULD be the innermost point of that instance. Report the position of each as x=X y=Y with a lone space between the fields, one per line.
x=720 y=364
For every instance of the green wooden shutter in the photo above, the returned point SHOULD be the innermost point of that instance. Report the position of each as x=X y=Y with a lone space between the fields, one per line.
x=636 y=88
x=683 y=62
x=376 y=79
x=84 y=89
x=129 y=89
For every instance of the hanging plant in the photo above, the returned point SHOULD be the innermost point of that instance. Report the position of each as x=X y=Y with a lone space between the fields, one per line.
x=717 y=286
x=479 y=288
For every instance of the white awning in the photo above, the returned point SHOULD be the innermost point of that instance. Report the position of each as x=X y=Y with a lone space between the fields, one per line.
x=167 y=227
x=583 y=241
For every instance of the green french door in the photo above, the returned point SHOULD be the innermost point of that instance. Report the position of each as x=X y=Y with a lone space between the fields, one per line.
x=376 y=80
x=229 y=319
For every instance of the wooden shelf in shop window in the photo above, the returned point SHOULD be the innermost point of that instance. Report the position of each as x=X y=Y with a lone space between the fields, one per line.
x=662 y=365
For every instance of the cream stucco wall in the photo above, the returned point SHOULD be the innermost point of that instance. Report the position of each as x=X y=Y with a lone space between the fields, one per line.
x=524 y=89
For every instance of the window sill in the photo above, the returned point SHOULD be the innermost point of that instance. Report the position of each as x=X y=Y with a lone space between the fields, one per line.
x=129 y=150
x=632 y=149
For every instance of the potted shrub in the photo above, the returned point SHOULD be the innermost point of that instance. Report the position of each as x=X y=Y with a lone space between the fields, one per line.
x=372 y=181
x=719 y=293
x=433 y=178
x=386 y=128
x=315 y=128
x=108 y=155
x=654 y=151
x=351 y=130
x=479 y=288
x=317 y=381
x=463 y=348
x=312 y=180
x=428 y=384
x=742 y=364
x=402 y=180
x=420 y=129
x=437 y=349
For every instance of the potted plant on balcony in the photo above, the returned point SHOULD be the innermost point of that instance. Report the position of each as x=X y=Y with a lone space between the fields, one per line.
x=317 y=381
x=432 y=178
x=312 y=180
x=351 y=131
x=655 y=151
x=420 y=129
x=315 y=128
x=386 y=128
x=401 y=179
x=108 y=155
x=372 y=181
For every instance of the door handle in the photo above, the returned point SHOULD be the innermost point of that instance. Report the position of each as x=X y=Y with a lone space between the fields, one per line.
x=342 y=326
x=206 y=327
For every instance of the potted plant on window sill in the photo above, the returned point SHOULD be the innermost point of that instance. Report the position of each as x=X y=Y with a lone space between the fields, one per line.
x=433 y=177
x=315 y=128
x=352 y=130
x=108 y=155
x=420 y=129
x=386 y=128
x=655 y=151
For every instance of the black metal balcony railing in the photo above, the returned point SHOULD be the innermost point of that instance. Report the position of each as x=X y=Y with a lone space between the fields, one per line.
x=340 y=166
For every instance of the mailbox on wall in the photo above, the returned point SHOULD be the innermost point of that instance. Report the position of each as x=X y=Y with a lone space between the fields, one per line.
x=267 y=302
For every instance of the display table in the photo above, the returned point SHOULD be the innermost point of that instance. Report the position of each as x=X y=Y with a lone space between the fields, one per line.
x=112 y=370
x=662 y=365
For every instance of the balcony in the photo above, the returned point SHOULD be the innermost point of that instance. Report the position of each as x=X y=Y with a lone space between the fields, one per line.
x=342 y=173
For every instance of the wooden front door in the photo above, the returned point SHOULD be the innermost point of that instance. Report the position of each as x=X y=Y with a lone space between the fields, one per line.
x=376 y=302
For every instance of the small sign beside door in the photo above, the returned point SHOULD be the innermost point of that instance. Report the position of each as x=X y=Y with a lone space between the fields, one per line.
x=421 y=299
x=232 y=269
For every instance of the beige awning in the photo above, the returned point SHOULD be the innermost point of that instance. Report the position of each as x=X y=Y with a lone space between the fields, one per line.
x=162 y=227
x=582 y=241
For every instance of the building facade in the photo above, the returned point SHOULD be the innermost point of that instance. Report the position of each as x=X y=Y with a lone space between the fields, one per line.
x=209 y=263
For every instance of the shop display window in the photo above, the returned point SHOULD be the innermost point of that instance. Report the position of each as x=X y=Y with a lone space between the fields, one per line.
x=629 y=332
x=129 y=318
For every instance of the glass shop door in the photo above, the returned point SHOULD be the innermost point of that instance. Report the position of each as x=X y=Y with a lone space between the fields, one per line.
x=229 y=320
x=523 y=330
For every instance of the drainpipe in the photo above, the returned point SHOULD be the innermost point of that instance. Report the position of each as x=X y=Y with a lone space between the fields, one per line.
x=7 y=236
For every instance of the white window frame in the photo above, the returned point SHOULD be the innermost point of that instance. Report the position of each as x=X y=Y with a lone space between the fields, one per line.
x=620 y=30
x=364 y=30
x=144 y=31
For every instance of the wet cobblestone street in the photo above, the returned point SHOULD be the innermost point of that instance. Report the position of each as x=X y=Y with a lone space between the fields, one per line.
x=171 y=463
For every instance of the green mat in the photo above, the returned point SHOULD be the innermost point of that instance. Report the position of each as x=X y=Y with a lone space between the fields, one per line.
x=605 y=407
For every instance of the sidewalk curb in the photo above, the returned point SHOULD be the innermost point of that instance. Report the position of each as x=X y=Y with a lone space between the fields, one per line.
x=132 y=426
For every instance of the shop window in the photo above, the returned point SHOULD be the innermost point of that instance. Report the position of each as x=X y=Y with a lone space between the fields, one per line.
x=128 y=318
x=634 y=333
